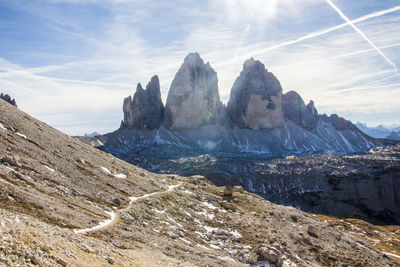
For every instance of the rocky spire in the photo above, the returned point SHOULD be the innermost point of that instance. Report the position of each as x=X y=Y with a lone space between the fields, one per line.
x=8 y=99
x=256 y=98
x=295 y=110
x=193 y=99
x=145 y=110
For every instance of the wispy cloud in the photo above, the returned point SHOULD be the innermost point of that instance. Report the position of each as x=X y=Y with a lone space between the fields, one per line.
x=363 y=35
x=92 y=58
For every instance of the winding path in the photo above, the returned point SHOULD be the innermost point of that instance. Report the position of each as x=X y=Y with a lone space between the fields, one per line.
x=114 y=216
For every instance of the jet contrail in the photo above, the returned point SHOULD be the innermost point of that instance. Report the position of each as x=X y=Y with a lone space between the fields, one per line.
x=310 y=35
x=351 y=23
x=334 y=57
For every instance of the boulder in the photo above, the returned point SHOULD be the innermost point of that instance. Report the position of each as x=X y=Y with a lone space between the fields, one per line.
x=256 y=98
x=295 y=110
x=145 y=110
x=193 y=100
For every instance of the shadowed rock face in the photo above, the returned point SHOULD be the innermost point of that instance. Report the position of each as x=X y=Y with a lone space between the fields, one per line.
x=256 y=98
x=193 y=99
x=339 y=123
x=295 y=110
x=145 y=110
x=8 y=99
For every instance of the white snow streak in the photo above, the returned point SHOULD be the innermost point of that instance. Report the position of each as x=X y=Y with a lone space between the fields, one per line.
x=236 y=234
x=98 y=141
x=391 y=254
x=2 y=127
x=21 y=135
x=105 y=170
x=50 y=169
x=209 y=205
x=120 y=175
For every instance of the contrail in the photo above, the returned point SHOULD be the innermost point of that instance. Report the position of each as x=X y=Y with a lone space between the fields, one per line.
x=335 y=57
x=351 y=23
x=312 y=35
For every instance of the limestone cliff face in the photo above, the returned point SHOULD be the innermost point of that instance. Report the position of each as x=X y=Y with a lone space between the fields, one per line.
x=193 y=99
x=295 y=110
x=256 y=98
x=145 y=110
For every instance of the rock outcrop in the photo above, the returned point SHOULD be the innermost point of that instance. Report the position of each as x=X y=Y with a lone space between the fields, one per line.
x=8 y=99
x=256 y=98
x=295 y=110
x=193 y=99
x=339 y=123
x=145 y=110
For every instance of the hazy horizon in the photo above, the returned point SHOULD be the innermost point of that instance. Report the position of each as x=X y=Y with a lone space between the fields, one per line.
x=70 y=63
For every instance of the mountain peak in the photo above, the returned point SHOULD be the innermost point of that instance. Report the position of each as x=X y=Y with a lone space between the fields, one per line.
x=193 y=59
x=256 y=98
x=193 y=99
x=8 y=99
x=145 y=110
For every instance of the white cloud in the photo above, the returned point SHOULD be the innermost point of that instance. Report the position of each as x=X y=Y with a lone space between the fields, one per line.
x=333 y=66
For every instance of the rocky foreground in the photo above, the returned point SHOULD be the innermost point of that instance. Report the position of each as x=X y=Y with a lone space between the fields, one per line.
x=64 y=203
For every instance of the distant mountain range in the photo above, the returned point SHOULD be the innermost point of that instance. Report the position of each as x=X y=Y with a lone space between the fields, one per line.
x=392 y=132
x=91 y=134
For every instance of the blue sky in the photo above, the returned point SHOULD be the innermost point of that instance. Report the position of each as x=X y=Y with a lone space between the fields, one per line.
x=70 y=63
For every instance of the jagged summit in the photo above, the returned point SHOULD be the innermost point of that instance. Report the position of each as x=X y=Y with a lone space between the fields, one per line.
x=256 y=104
x=296 y=110
x=145 y=110
x=193 y=99
x=8 y=99
x=256 y=98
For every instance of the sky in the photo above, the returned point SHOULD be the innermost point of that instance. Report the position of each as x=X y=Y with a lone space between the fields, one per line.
x=70 y=63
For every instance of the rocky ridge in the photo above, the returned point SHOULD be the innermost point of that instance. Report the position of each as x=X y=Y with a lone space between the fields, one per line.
x=280 y=123
x=54 y=185
x=145 y=110
x=8 y=99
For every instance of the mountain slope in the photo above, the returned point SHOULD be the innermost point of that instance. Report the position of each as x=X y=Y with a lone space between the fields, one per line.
x=53 y=186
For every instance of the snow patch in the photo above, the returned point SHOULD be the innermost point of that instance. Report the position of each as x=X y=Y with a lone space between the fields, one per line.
x=391 y=254
x=99 y=226
x=21 y=135
x=209 y=205
x=210 y=229
x=105 y=170
x=236 y=234
x=289 y=263
x=120 y=175
x=2 y=127
x=188 y=192
x=159 y=211
x=100 y=143
x=50 y=169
